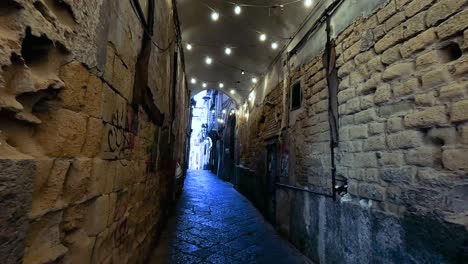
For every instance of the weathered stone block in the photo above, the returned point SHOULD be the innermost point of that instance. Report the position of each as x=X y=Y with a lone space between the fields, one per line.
x=455 y=159
x=443 y=135
x=346 y=69
x=399 y=175
x=442 y=10
x=376 y=128
x=383 y=94
x=454 y=90
x=365 y=160
x=453 y=25
x=48 y=191
x=80 y=247
x=345 y=95
x=386 y=12
x=435 y=78
x=429 y=117
x=365 y=116
x=418 y=43
x=391 y=55
x=367 y=101
x=375 y=143
x=75 y=76
x=62 y=132
x=375 y=64
x=77 y=186
x=424 y=157
x=425 y=99
x=406 y=88
x=394 y=21
x=358 y=132
x=395 y=124
x=459 y=111
x=398 y=70
x=371 y=191
x=43 y=242
x=429 y=58
x=16 y=187
x=391 y=158
x=96 y=217
x=415 y=6
x=464 y=134
x=405 y=139
x=95 y=130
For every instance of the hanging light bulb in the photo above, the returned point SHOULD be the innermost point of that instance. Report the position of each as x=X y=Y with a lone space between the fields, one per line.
x=242 y=72
x=208 y=60
x=263 y=37
x=193 y=81
x=221 y=85
x=237 y=10
x=228 y=51
x=254 y=80
x=224 y=111
x=274 y=45
x=232 y=91
x=214 y=16
x=308 y=3
x=204 y=85
x=189 y=46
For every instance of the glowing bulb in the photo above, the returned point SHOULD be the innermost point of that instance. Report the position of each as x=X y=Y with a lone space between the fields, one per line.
x=189 y=47
x=263 y=37
x=254 y=80
x=308 y=3
x=224 y=111
x=204 y=85
x=213 y=111
x=274 y=45
x=237 y=10
x=214 y=16
x=242 y=72
x=232 y=91
x=228 y=51
x=221 y=85
x=208 y=60
x=193 y=81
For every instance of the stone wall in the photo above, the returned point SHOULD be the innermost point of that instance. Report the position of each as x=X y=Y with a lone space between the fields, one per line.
x=402 y=146
x=87 y=174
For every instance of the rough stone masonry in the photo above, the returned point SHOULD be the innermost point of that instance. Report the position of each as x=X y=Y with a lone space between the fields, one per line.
x=402 y=148
x=86 y=171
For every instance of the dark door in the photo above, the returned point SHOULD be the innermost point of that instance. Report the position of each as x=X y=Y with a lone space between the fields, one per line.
x=271 y=179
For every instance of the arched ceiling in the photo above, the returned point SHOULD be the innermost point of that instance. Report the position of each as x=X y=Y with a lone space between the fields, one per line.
x=241 y=33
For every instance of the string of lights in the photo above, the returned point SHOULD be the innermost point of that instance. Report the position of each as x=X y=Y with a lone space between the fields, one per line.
x=228 y=49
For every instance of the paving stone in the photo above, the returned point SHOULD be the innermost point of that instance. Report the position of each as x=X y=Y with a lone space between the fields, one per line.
x=213 y=223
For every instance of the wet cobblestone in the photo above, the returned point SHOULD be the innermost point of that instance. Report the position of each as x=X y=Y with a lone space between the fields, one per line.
x=213 y=223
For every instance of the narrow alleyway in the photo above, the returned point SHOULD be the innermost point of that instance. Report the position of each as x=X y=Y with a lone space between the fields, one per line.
x=213 y=223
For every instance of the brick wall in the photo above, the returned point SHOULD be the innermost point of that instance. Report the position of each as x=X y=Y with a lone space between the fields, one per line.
x=87 y=176
x=402 y=140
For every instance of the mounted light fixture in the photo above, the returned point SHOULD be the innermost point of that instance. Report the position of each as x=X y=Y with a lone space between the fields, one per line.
x=308 y=3
x=232 y=91
x=189 y=46
x=214 y=16
x=221 y=85
x=274 y=45
x=208 y=60
x=254 y=80
x=237 y=10
x=204 y=85
x=263 y=37
x=228 y=51
x=242 y=72
x=193 y=81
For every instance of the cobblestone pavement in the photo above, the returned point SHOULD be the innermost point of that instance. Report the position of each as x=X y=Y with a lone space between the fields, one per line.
x=213 y=223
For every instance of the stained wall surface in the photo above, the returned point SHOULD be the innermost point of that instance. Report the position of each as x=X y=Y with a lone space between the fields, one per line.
x=89 y=117
x=402 y=148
